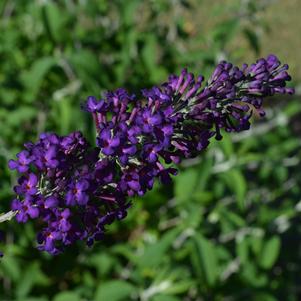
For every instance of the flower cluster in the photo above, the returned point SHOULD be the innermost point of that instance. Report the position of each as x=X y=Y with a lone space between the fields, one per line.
x=177 y=119
x=77 y=189
x=63 y=184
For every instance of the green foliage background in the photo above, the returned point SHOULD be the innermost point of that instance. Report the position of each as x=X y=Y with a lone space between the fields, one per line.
x=228 y=228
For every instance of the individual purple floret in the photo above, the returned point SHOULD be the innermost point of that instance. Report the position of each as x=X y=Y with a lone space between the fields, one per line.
x=22 y=163
x=26 y=208
x=77 y=189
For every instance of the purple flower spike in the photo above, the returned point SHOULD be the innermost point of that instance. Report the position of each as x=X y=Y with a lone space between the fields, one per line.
x=76 y=190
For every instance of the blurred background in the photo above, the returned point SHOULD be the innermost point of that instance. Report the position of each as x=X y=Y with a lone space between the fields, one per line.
x=229 y=226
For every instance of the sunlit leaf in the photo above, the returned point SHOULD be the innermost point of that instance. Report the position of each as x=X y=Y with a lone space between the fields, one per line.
x=270 y=252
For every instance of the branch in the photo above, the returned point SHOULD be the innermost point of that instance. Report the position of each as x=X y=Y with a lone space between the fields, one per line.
x=7 y=216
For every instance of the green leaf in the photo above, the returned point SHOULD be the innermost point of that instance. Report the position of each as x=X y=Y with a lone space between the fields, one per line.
x=185 y=184
x=270 y=252
x=253 y=40
x=65 y=115
x=128 y=12
x=154 y=253
x=236 y=182
x=85 y=62
x=149 y=56
x=33 y=299
x=227 y=145
x=251 y=275
x=205 y=168
x=165 y=298
x=32 y=275
x=67 y=296
x=55 y=19
x=87 y=67
x=10 y=267
x=33 y=78
x=179 y=287
x=256 y=243
x=225 y=31
x=236 y=220
x=114 y=290
x=264 y=297
x=23 y=114
x=242 y=249
x=123 y=250
x=102 y=262
x=207 y=258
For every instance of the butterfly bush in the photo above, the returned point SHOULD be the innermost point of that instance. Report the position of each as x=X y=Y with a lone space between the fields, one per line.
x=75 y=189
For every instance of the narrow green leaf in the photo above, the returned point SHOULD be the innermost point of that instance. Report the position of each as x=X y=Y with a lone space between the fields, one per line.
x=253 y=40
x=114 y=290
x=242 y=249
x=32 y=275
x=186 y=183
x=165 y=298
x=207 y=258
x=227 y=145
x=205 y=169
x=54 y=19
x=33 y=78
x=236 y=182
x=10 y=267
x=270 y=252
x=265 y=297
x=179 y=287
x=154 y=253
x=33 y=299
x=67 y=296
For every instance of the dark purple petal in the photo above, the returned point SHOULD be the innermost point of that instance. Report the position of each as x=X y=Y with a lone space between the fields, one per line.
x=82 y=198
x=51 y=202
x=33 y=212
x=12 y=164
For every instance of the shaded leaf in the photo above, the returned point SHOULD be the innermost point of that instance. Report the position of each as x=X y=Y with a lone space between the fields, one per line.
x=67 y=296
x=236 y=182
x=185 y=183
x=207 y=258
x=114 y=290
x=154 y=253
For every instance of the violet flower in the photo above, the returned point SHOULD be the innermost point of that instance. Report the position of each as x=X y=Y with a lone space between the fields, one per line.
x=76 y=190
